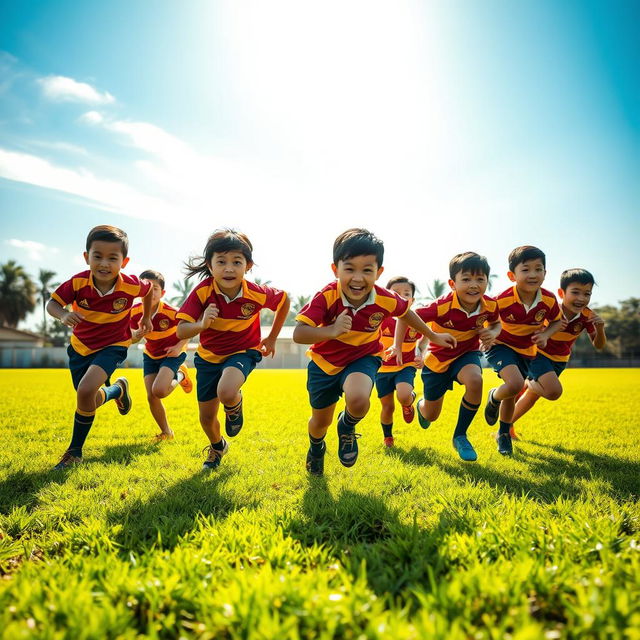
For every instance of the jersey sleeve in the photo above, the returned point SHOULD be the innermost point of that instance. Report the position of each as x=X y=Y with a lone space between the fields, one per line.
x=134 y=319
x=494 y=313
x=275 y=298
x=554 y=312
x=191 y=308
x=145 y=286
x=429 y=313
x=402 y=306
x=589 y=326
x=65 y=294
x=314 y=312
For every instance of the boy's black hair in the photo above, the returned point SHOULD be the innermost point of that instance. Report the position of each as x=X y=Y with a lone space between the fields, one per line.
x=469 y=261
x=220 y=241
x=357 y=242
x=150 y=274
x=402 y=280
x=581 y=276
x=107 y=233
x=524 y=253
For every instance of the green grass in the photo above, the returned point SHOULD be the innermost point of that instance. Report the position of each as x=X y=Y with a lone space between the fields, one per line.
x=410 y=543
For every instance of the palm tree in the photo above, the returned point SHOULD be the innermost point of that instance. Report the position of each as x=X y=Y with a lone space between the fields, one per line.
x=266 y=283
x=17 y=294
x=44 y=278
x=436 y=289
x=183 y=288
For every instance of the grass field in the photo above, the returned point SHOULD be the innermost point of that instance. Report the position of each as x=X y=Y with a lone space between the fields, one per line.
x=410 y=543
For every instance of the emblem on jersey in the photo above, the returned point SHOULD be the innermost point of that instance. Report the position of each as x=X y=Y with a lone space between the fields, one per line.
x=375 y=319
x=448 y=324
x=412 y=333
x=540 y=316
x=578 y=327
x=510 y=318
x=119 y=304
x=480 y=320
x=84 y=303
x=164 y=324
x=247 y=309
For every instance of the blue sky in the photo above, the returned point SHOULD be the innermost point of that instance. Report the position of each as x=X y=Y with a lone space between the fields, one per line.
x=443 y=127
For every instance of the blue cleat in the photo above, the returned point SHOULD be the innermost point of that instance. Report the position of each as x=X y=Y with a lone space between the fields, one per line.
x=424 y=423
x=465 y=449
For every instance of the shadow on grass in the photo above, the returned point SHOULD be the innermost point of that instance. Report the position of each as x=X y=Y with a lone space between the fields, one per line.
x=548 y=476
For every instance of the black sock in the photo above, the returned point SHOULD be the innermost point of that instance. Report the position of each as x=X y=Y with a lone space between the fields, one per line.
x=81 y=427
x=466 y=414
x=234 y=408
x=219 y=446
x=495 y=403
x=504 y=427
x=317 y=445
x=386 y=429
x=347 y=422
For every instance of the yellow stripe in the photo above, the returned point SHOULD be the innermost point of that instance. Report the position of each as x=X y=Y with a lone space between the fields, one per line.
x=325 y=365
x=232 y=324
x=87 y=414
x=393 y=368
x=259 y=297
x=209 y=356
x=358 y=338
x=458 y=335
x=203 y=293
x=331 y=296
x=159 y=335
x=503 y=303
x=186 y=317
x=305 y=320
x=100 y=317
x=59 y=300
x=131 y=289
x=529 y=351
x=83 y=350
x=386 y=302
x=284 y=297
x=78 y=283
x=436 y=365
x=520 y=329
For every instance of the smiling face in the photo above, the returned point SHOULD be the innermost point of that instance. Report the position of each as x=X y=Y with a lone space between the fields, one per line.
x=156 y=292
x=576 y=297
x=528 y=275
x=105 y=260
x=469 y=287
x=228 y=269
x=357 y=275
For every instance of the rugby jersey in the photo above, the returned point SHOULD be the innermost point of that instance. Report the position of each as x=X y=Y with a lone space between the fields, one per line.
x=519 y=324
x=408 y=356
x=332 y=356
x=559 y=345
x=163 y=336
x=237 y=327
x=106 y=318
x=445 y=315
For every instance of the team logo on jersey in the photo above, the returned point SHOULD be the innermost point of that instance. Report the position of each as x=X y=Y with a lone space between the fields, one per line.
x=412 y=333
x=578 y=327
x=480 y=320
x=119 y=304
x=540 y=315
x=448 y=324
x=164 y=324
x=510 y=318
x=84 y=303
x=247 y=309
x=375 y=319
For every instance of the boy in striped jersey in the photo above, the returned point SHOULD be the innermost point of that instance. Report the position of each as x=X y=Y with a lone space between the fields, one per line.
x=101 y=299
x=575 y=292
x=164 y=354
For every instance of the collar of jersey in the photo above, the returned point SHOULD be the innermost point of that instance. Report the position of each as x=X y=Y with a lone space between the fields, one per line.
x=370 y=300
x=536 y=300
x=456 y=305
x=116 y=286
x=241 y=293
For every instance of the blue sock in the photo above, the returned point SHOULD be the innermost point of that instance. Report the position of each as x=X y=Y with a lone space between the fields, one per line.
x=387 y=429
x=504 y=427
x=347 y=422
x=466 y=414
x=317 y=445
x=112 y=392
x=81 y=427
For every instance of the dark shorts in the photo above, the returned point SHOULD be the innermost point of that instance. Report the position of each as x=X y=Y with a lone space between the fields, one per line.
x=108 y=359
x=208 y=374
x=541 y=365
x=151 y=366
x=501 y=356
x=437 y=384
x=325 y=390
x=387 y=381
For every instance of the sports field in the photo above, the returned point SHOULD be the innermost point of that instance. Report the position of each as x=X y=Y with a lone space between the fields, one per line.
x=410 y=543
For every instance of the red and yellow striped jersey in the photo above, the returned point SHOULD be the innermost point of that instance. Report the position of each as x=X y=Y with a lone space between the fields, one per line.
x=163 y=336
x=560 y=344
x=445 y=315
x=237 y=327
x=106 y=317
x=519 y=323
x=332 y=356
x=408 y=358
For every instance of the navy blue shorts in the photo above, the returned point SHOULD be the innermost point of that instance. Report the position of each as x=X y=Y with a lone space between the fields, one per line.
x=208 y=374
x=387 y=381
x=108 y=359
x=325 y=390
x=541 y=365
x=501 y=356
x=152 y=366
x=437 y=384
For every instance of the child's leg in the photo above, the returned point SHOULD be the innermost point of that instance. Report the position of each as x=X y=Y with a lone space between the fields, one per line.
x=430 y=409
x=320 y=421
x=547 y=386
x=165 y=382
x=524 y=403
x=512 y=383
x=404 y=391
x=357 y=392
x=209 y=420
x=386 y=414
x=229 y=395
x=471 y=377
x=155 y=404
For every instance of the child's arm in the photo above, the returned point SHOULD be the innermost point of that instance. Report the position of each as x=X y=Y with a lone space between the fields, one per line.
x=422 y=347
x=70 y=318
x=176 y=350
x=599 y=339
x=306 y=334
x=187 y=330
x=413 y=320
x=540 y=338
x=489 y=334
x=146 y=325
x=268 y=345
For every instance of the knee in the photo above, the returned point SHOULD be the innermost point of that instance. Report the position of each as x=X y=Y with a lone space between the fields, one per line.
x=554 y=393
x=227 y=395
x=474 y=386
x=159 y=391
x=514 y=387
x=405 y=397
x=358 y=404
x=86 y=394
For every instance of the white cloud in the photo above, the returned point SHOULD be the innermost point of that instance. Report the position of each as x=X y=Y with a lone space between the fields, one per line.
x=35 y=250
x=65 y=147
x=63 y=89
x=91 y=117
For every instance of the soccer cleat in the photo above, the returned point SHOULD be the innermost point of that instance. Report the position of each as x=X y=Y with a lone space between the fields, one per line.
x=504 y=444
x=214 y=456
x=68 y=460
x=388 y=442
x=185 y=383
x=315 y=464
x=408 y=413
x=424 y=423
x=465 y=449
x=233 y=419
x=124 y=401
x=347 y=445
x=491 y=409
x=513 y=434
x=161 y=437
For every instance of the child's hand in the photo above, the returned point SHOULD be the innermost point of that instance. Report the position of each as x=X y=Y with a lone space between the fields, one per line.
x=390 y=353
x=444 y=340
x=72 y=318
x=174 y=351
x=563 y=323
x=539 y=339
x=342 y=324
x=146 y=326
x=419 y=360
x=137 y=334
x=208 y=316
x=487 y=338
x=596 y=320
x=268 y=347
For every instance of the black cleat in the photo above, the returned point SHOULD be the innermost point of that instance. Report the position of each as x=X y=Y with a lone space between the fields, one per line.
x=315 y=464
x=491 y=409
